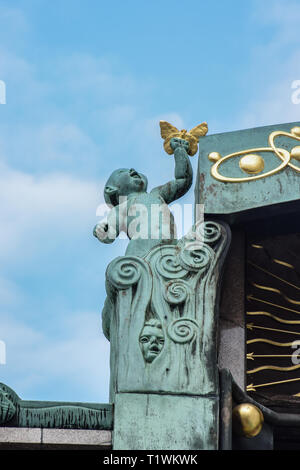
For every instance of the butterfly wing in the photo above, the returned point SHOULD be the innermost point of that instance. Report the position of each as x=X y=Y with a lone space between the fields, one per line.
x=199 y=130
x=166 y=129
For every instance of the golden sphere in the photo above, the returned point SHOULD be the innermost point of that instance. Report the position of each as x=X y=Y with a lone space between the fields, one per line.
x=247 y=420
x=296 y=131
x=295 y=153
x=214 y=156
x=252 y=164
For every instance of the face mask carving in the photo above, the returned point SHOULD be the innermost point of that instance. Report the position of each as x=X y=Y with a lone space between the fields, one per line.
x=151 y=340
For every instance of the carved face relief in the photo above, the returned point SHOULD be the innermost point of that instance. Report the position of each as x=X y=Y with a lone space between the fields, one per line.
x=151 y=341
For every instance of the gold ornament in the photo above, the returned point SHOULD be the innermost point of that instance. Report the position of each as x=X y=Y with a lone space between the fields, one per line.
x=284 y=155
x=214 y=156
x=296 y=131
x=247 y=420
x=252 y=387
x=270 y=367
x=168 y=131
x=295 y=153
x=252 y=164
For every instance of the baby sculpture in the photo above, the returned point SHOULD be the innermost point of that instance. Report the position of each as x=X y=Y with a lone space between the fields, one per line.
x=146 y=217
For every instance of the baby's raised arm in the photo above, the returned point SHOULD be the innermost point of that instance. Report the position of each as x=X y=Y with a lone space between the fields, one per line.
x=183 y=173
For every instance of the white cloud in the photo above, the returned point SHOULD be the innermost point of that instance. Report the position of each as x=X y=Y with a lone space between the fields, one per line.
x=65 y=142
x=119 y=116
x=76 y=357
x=275 y=105
x=32 y=208
x=14 y=25
x=23 y=87
x=46 y=137
x=284 y=15
x=98 y=77
x=41 y=205
x=9 y=292
x=152 y=124
x=274 y=67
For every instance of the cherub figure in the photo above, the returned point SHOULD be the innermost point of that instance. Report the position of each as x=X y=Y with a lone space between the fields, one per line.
x=146 y=217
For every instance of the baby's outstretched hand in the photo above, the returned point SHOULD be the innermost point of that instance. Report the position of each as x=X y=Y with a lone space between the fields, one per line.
x=100 y=230
x=176 y=142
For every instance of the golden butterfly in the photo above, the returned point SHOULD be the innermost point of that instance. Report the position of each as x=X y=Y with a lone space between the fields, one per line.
x=168 y=131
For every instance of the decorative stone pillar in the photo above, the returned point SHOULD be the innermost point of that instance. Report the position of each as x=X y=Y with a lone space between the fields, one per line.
x=161 y=317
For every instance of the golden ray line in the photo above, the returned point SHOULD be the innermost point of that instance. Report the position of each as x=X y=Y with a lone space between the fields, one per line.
x=269 y=341
x=283 y=263
x=250 y=326
x=278 y=261
x=273 y=275
x=252 y=387
x=251 y=356
x=251 y=297
x=280 y=320
x=277 y=291
x=283 y=369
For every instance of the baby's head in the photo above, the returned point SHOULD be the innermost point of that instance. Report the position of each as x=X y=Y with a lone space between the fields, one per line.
x=123 y=182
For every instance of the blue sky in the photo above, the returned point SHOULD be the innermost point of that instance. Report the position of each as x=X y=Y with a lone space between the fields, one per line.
x=87 y=83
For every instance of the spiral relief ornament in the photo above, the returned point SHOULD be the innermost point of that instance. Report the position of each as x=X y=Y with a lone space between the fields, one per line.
x=202 y=233
x=125 y=271
x=211 y=232
x=195 y=256
x=183 y=330
x=176 y=292
x=168 y=265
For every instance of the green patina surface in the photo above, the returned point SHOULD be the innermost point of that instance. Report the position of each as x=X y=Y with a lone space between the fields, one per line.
x=161 y=311
x=231 y=198
x=173 y=293
x=161 y=318
x=132 y=206
x=165 y=422
x=15 y=412
x=169 y=401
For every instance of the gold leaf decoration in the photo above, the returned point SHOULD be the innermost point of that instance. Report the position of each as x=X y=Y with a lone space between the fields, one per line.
x=168 y=131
